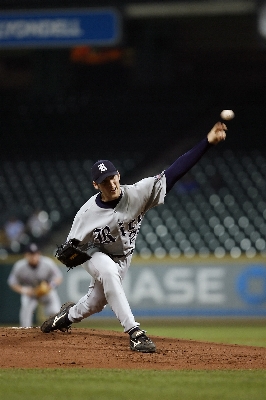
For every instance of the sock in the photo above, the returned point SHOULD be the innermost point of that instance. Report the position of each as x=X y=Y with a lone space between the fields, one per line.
x=132 y=330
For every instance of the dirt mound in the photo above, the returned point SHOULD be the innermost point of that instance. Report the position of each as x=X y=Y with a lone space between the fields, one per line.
x=90 y=348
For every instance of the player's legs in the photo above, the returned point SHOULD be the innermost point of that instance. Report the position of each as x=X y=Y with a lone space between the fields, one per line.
x=27 y=308
x=51 y=303
x=106 y=288
x=93 y=302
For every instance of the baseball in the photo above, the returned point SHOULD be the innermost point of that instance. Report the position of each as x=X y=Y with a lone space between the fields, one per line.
x=227 y=114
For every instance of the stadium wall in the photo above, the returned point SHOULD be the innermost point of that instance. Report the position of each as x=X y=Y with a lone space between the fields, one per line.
x=184 y=288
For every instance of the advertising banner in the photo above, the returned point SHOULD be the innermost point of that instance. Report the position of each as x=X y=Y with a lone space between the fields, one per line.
x=233 y=289
x=61 y=28
x=189 y=289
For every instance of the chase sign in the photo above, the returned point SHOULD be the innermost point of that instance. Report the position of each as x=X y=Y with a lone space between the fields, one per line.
x=185 y=289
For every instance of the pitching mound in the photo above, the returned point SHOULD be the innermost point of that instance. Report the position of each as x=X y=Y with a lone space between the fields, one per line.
x=90 y=348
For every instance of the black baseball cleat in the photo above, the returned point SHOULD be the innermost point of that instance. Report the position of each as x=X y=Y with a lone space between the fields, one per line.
x=58 y=321
x=140 y=342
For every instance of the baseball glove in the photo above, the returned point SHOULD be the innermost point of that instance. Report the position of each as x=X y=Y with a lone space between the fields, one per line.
x=70 y=254
x=42 y=289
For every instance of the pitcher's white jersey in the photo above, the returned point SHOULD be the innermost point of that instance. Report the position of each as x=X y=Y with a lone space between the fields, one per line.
x=114 y=231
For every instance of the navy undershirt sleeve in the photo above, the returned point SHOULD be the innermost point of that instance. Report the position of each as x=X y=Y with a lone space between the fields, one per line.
x=184 y=163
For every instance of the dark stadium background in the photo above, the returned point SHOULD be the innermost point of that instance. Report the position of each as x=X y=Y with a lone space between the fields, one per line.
x=172 y=78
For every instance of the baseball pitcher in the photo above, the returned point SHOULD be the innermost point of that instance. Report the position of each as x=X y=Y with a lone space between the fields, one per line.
x=103 y=235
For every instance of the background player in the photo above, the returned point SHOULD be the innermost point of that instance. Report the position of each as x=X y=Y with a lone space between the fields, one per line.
x=35 y=277
x=107 y=226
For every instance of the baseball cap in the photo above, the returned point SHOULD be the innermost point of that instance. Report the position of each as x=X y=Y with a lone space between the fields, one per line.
x=32 y=248
x=101 y=169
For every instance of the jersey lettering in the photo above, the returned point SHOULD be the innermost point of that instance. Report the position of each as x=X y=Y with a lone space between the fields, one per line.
x=134 y=227
x=139 y=218
x=131 y=225
x=122 y=228
x=103 y=235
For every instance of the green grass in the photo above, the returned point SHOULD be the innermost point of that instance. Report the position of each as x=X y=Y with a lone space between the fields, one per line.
x=77 y=384
x=246 y=335
x=102 y=384
x=250 y=333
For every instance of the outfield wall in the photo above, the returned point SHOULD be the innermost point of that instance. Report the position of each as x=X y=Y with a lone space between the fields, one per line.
x=183 y=288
